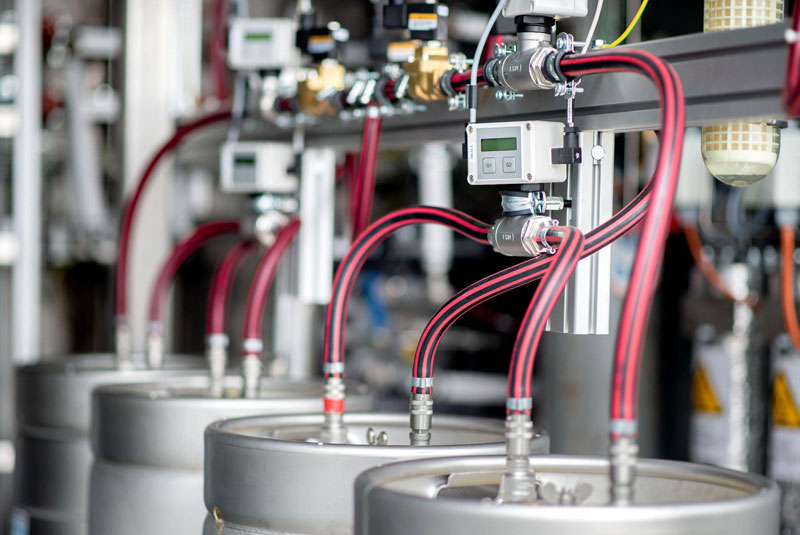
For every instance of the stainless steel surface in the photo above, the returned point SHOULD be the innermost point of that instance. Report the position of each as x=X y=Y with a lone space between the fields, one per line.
x=584 y=306
x=53 y=452
x=27 y=185
x=438 y=496
x=148 y=440
x=271 y=474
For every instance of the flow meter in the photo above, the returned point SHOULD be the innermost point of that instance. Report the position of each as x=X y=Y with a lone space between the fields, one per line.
x=517 y=152
x=257 y=167
x=261 y=43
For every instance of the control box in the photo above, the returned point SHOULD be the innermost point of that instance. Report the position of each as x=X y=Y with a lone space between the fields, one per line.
x=517 y=152
x=257 y=167
x=559 y=9
x=261 y=43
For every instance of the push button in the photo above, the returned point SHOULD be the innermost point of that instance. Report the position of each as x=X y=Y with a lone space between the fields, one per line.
x=509 y=164
x=489 y=166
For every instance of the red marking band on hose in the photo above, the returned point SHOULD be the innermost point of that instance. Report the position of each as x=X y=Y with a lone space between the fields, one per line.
x=335 y=406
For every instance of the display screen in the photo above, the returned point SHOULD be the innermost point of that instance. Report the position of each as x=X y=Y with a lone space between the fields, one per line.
x=258 y=36
x=505 y=143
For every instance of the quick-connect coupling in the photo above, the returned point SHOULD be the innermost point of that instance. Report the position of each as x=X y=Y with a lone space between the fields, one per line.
x=251 y=366
x=623 y=454
x=333 y=429
x=217 y=356
x=521 y=235
x=420 y=419
x=155 y=345
x=518 y=483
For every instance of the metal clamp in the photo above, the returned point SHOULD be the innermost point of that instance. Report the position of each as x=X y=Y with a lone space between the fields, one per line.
x=543 y=238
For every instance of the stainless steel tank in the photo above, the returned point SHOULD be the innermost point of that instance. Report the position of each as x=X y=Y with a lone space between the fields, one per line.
x=272 y=475
x=457 y=496
x=54 y=458
x=148 y=442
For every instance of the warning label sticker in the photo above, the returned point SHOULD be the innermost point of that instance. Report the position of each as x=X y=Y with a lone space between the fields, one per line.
x=423 y=22
x=785 y=441
x=710 y=397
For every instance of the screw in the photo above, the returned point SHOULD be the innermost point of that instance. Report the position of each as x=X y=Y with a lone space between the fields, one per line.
x=498 y=94
x=560 y=44
x=470 y=178
x=527 y=126
x=530 y=177
x=469 y=129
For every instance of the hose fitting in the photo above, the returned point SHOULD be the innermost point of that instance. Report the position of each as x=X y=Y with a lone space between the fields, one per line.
x=217 y=356
x=623 y=454
x=155 y=345
x=333 y=429
x=524 y=70
x=122 y=343
x=420 y=419
x=251 y=366
x=518 y=483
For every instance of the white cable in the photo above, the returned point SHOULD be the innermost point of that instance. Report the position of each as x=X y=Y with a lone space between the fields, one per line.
x=588 y=41
x=473 y=79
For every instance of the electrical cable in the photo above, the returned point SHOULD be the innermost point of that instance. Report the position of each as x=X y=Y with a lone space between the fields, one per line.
x=222 y=286
x=630 y=27
x=587 y=43
x=262 y=283
x=473 y=101
x=570 y=246
x=714 y=278
x=131 y=209
x=186 y=247
x=357 y=255
x=788 y=284
x=791 y=90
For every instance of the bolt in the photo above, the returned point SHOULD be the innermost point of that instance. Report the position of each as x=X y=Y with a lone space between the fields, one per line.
x=560 y=44
x=498 y=94
x=598 y=152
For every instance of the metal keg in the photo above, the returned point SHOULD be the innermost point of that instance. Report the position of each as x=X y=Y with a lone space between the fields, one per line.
x=54 y=458
x=148 y=442
x=272 y=475
x=436 y=496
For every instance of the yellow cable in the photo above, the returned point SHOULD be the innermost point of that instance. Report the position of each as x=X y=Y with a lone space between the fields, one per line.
x=630 y=27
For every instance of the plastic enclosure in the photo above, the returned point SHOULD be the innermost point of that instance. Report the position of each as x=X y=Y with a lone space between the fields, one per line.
x=261 y=43
x=514 y=153
x=256 y=167
x=548 y=8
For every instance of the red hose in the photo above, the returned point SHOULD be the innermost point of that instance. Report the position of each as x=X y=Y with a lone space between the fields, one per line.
x=262 y=282
x=132 y=205
x=222 y=285
x=185 y=248
x=791 y=91
x=565 y=259
x=218 y=48
x=367 y=173
x=649 y=255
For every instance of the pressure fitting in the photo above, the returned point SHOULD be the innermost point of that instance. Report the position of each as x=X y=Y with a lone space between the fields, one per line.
x=523 y=70
x=217 y=355
x=623 y=454
x=251 y=366
x=155 y=345
x=421 y=419
x=333 y=429
x=521 y=235
x=428 y=65
x=518 y=483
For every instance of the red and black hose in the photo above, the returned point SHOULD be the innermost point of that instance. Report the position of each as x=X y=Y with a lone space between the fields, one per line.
x=570 y=246
x=791 y=91
x=357 y=255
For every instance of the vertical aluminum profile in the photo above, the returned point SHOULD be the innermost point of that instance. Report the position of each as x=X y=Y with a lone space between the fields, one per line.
x=584 y=306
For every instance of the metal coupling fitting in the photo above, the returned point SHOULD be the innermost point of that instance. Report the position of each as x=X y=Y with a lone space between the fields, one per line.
x=122 y=343
x=524 y=70
x=251 y=375
x=529 y=203
x=623 y=454
x=217 y=355
x=518 y=483
x=155 y=345
x=521 y=235
x=333 y=429
x=420 y=419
